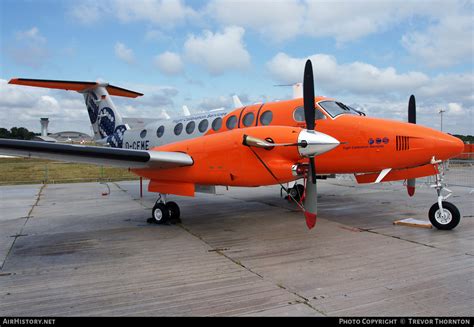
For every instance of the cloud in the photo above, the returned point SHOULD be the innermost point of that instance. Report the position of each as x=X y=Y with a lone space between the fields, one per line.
x=273 y=19
x=444 y=44
x=384 y=92
x=24 y=106
x=355 y=77
x=30 y=48
x=87 y=12
x=169 y=63
x=218 y=52
x=31 y=35
x=344 y=21
x=124 y=53
x=164 y=13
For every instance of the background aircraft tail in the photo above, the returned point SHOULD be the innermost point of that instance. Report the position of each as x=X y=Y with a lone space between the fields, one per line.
x=107 y=123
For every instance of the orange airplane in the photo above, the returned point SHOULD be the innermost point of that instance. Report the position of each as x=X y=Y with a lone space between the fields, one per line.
x=262 y=144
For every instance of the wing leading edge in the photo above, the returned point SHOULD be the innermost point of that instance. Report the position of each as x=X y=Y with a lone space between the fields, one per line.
x=124 y=158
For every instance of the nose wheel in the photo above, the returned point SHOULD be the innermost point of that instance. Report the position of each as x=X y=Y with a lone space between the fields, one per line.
x=445 y=218
x=164 y=212
x=443 y=215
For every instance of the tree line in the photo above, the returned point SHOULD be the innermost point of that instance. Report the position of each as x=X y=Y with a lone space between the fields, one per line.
x=19 y=133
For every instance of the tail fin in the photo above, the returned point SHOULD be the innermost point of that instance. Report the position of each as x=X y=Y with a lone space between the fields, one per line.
x=106 y=121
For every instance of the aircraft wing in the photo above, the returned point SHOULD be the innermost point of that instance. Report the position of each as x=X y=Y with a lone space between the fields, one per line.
x=124 y=158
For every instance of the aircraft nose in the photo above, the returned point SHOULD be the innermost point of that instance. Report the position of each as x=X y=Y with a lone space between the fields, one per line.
x=448 y=146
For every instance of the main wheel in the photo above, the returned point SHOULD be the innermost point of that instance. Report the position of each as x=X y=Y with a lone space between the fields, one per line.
x=296 y=192
x=160 y=213
x=446 y=220
x=173 y=209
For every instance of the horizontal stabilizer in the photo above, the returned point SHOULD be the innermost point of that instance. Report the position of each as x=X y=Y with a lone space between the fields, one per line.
x=125 y=158
x=74 y=86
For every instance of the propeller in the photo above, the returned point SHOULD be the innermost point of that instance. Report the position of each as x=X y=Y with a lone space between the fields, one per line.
x=310 y=143
x=412 y=120
x=310 y=201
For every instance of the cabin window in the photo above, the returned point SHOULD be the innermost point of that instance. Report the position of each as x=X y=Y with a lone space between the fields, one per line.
x=160 y=131
x=231 y=122
x=203 y=125
x=217 y=124
x=190 y=127
x=298 y=114
x=248 y=119
x=266 y=118
x=178 y=128
x=143 y=134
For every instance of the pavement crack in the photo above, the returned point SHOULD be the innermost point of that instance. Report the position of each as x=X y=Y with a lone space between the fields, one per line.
x=303 y=300
x=20 y=233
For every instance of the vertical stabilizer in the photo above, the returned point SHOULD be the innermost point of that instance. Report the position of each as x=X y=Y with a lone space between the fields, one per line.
x=106 y=121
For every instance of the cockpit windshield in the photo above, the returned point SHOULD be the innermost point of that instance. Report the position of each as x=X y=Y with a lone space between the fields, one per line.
x=335 y=108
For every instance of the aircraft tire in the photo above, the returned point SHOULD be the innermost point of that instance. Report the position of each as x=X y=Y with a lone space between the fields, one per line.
x=173 y=210
x=297 y=192
x=160 y=213
x=449 y=221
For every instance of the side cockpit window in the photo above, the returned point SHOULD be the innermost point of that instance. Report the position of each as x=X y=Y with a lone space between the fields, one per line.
x=298 y=114
x=334 y=108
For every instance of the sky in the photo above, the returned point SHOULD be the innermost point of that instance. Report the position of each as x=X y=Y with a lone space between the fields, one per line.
x=368 y=54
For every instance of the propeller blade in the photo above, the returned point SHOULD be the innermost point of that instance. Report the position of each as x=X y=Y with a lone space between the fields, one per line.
x=310 y=200
x=308 y=96
x=412 y=110
x=313 y=169
x=411 y=186
x=411 y=119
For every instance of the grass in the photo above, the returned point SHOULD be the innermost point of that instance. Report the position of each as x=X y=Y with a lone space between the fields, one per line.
x=34 y=171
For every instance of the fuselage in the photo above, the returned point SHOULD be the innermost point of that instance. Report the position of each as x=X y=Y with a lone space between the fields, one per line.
x=214 y=140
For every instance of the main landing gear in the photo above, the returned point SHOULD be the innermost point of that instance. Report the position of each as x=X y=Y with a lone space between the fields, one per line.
x=164 y=212
x=296 y=192
x=443 y=215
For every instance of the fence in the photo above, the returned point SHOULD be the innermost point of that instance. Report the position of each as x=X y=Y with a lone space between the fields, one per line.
x=35 y=171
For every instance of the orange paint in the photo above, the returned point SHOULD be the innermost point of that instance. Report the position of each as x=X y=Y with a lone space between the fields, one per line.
x=369 y=145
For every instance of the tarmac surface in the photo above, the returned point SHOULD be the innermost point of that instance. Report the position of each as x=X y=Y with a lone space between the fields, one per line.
x=66 y=250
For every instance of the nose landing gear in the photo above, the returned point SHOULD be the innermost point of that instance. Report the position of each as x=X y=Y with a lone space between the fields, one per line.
x=443 y=215
x=164 y=212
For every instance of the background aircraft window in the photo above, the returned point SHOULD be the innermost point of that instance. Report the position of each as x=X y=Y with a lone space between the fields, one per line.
x=231 y=122
x=298 y=114
x=335 y=108
x=217 y=124
x=266 y=118
x=160 y=131
x=248 y=119
x=178 y=129
x=143 y=133
x=190 y=127
x=203 y=125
